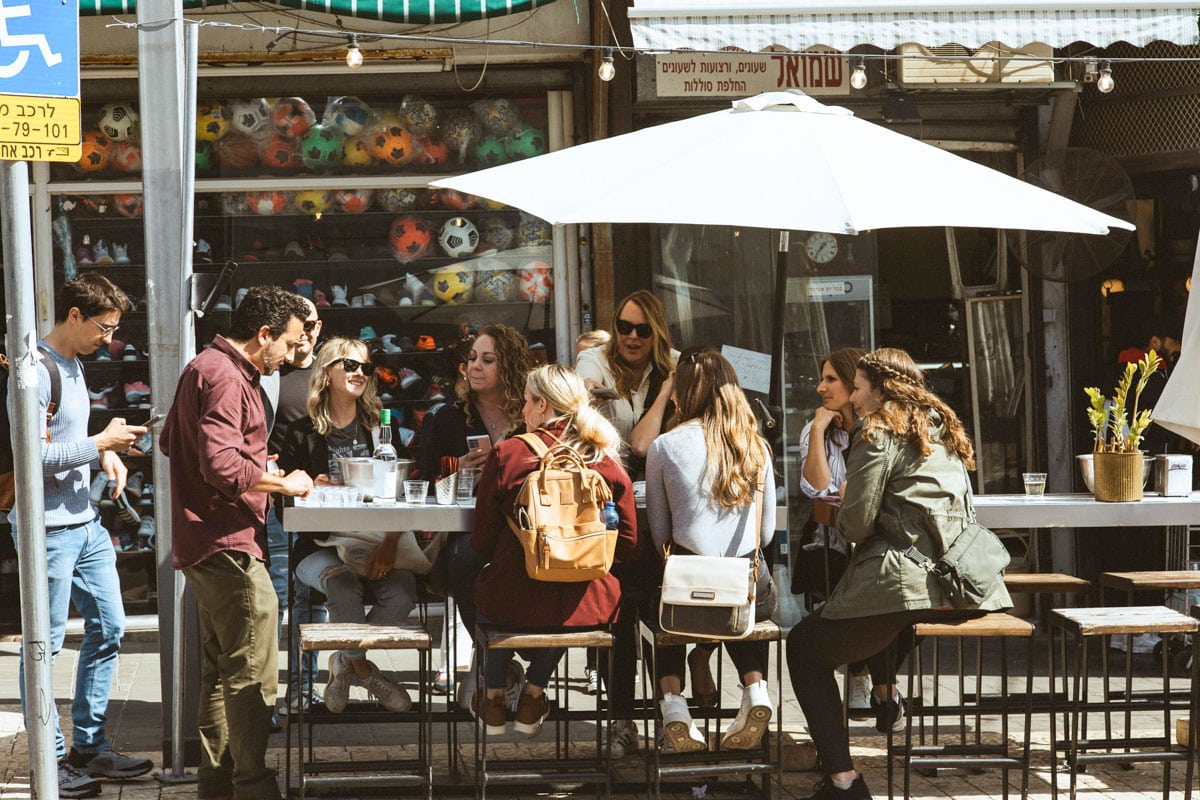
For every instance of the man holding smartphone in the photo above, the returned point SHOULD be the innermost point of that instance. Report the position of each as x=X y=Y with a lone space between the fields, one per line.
x=81 y=566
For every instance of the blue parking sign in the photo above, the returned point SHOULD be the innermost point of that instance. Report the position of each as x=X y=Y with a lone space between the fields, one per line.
x=39 y=48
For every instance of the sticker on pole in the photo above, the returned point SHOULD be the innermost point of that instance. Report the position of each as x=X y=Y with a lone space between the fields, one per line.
x=39 y=81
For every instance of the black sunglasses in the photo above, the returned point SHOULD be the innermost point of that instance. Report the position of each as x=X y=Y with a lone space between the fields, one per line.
x=309 y=324
x=350 y=365
x=625 y=327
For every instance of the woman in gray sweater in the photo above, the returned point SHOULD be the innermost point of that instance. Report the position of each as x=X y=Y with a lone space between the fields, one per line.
x=710 y=490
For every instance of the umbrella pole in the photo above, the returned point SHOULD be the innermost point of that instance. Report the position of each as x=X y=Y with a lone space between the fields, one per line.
x=775 y=396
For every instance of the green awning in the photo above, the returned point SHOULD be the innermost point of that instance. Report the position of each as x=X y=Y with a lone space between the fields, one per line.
x=406 y=11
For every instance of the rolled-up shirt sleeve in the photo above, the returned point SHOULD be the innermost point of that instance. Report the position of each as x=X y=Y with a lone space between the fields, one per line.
x=224 y=462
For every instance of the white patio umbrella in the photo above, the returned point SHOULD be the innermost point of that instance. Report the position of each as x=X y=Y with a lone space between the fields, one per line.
x=1178 y=408
x=780 y=160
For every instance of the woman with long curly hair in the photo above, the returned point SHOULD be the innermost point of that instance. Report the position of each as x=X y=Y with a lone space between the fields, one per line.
x=906 y=486
x=710 y=490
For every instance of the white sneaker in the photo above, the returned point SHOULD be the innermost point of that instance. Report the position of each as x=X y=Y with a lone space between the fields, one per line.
x=390 y=695
x=752 y=718
x=337 y=691
x=860 y=697
x=678 y=727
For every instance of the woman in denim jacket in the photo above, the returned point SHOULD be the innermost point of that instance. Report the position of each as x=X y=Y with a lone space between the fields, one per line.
x=906 y=485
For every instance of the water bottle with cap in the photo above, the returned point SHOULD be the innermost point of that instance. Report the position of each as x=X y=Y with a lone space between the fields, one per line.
x=385 y=465
x=610 y=516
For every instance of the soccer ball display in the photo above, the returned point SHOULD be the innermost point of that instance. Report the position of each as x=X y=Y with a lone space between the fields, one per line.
x=312 y=201
x=452 y=285
x=459 y=237
x=280 y=154
x=498 y=115
x=204 y=156
x=352 y=201
x=395 y=200
x=496 y=234
x=409 y=238
x=237 y=151
x=494 y=283
x=211 y=123
x=490 y=151
x=525 y=142
x=251 y=117
x=128 y=205
x=393 y=145
x=535 y=281
x=432 y=151
x=456 y=200
x=349 y=114
x=267 y=203
x=126 y=156
x=533 y=232
x=95 y=150
x=292 y=116
x=460 y=130
x=418 y=115
x=322 y=147
x=119 y=121
x=356 y=152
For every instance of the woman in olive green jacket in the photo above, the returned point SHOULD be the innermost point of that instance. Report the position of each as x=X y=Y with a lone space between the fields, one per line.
x=906 y=484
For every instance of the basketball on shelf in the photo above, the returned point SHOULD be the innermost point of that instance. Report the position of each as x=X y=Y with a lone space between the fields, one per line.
x=393 y=144
x=452 y=285
x=267 y=203
x=279 y=154
x=352 y=201
x=356 y=152
x=237 y=151
x=251 y=116
x=459 y=237
x=490 y=151
x=94 y=151
x=409 y=238
x=395 y=200
x=126 y=156
x=292 y=116
x=493 y=281
x=119 y=121
x=321 y=147
x=211 y=124
x=312 y=201
x=128 y=205
x=525 y=142
x=432 y=151
x=535 y=281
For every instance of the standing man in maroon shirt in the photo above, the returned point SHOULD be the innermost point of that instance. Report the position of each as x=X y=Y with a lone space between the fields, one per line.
x=216 y=439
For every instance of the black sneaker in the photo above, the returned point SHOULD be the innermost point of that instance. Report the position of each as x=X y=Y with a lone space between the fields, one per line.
x=73 y=783
x=890 y=714
x=827 y=790
x=108 y=764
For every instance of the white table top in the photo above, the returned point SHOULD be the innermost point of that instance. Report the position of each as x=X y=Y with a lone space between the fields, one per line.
x=1084 y=511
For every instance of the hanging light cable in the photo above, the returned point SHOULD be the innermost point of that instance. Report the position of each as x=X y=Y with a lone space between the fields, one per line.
x=1105 y=82
x=354 y=56
x=608 y=70
x=858 y=78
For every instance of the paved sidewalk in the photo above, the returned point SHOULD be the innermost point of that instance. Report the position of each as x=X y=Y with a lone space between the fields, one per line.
x=135 y=728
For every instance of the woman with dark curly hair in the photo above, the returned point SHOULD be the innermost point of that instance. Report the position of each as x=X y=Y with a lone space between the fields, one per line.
x=906 y=485
x=490 y=404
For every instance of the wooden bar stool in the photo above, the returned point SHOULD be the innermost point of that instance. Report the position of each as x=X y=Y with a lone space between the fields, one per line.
x=1080 y=625
x=714 y=762
x=532 y=772
x=371 y=777
x=1058 y=585
x=973 y=752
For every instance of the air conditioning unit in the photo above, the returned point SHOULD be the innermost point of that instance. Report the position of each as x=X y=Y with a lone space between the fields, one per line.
x=957 y=65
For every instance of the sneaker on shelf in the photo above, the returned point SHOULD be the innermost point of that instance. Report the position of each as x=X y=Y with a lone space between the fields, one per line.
x=337 y=255
x=426 y=343
x=134 y=483
x=622 y=739
x=405 y=343
x=339 y=296
x=387 y=377
x=100 y=482
x=147 y=492
x=224 y=303
x=406 y=435
x=102 y=354
x=889 y=714
x=859 y=704
x=368 y=300
x=202 y=252
x=319 y=299
x=531 y=713
x=292 y=251
x=592 y=676
x=387 y=692
x=409 y=379
x=367 y=333
x=126 y=511
x=121 y=253
x=435 y=392
x=389 y=344
x=99 y=397
x=304 y=287
x=144 y=446
x=108 y=764
x=137 y=393
x=83 y=253
x=72 y=783
x=356 y=301
x=145 y=533
x=130 y=352
x=240 y=296
x=100 y=253
x=492 y=710
x=337 y=691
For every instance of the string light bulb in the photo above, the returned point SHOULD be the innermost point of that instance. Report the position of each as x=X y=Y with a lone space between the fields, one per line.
x=608 y=70
x=858 y=78
x=354 y=56
x=1105 y=82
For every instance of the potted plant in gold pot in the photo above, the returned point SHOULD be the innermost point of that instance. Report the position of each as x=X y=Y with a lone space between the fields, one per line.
x=1118 y=425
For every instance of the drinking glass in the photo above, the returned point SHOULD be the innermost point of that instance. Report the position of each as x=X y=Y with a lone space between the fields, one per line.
x=466 y=483
x=415 y=491
x=1035 y=483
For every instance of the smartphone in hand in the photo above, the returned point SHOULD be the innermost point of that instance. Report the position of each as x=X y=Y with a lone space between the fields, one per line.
x=482 y=442
x=604 y=393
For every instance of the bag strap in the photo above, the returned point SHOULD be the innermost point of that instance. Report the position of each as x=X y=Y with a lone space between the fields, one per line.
x=534 y=443
x=918 y=557
x=55 y=386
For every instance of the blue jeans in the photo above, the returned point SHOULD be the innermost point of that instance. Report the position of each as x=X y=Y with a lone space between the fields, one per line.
x=303 y=609
x=81 y=567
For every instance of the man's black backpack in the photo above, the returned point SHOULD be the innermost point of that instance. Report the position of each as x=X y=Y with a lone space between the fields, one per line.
x=7 y=480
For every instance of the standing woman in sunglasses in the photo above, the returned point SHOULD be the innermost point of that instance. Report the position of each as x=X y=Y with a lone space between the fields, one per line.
x=343 y=421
